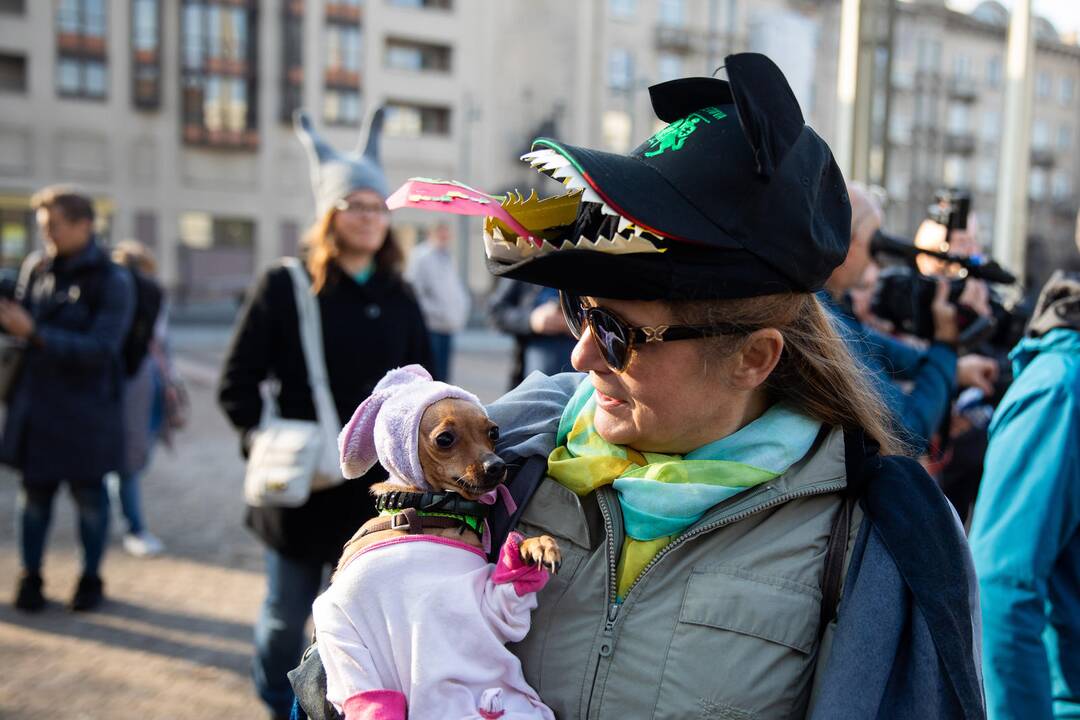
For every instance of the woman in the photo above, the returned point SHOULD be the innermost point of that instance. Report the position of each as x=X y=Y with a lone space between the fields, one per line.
x=370 y=324
x=721 y=477
x=144 y=397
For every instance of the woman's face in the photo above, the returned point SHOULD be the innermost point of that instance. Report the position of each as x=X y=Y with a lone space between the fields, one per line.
x=362 y=226
x=673 y=397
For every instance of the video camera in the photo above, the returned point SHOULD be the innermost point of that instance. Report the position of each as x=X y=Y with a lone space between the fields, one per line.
x=904 y=295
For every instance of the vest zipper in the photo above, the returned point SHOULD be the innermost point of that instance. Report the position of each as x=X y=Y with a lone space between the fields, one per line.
x=607 y=643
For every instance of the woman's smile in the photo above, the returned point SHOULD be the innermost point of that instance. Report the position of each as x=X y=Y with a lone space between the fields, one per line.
x=607 y=402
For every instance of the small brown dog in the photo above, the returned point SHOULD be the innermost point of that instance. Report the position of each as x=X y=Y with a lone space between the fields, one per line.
x=457 y=455
x=415 y=587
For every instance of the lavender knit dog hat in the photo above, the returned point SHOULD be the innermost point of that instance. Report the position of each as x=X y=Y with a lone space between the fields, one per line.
x=386 y=427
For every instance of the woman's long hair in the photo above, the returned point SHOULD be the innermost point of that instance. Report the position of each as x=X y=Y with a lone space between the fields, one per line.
x=321 y=248
x=816 y=372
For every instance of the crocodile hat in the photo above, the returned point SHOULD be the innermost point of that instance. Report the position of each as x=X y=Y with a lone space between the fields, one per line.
x=735 y=197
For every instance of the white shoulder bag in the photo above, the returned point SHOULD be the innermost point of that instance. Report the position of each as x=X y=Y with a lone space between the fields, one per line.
x=290 y=459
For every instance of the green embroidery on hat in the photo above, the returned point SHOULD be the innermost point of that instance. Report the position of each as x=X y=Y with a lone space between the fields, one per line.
x=674 y=135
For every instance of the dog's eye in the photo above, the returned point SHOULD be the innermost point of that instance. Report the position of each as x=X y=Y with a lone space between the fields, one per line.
x=493 y=433
x=445 y=439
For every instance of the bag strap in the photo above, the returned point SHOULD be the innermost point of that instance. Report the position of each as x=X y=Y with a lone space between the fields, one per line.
x=833 y=580
x=310 y=326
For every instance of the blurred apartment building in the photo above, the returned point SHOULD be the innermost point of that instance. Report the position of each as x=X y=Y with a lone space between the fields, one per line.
x=944 y=124
x=175 y=114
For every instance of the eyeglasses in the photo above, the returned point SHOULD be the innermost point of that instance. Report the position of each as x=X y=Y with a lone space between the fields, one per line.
x=361 y=207
x=616 y=339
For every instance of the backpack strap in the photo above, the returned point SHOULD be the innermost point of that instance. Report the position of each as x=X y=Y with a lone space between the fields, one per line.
x=859 y=453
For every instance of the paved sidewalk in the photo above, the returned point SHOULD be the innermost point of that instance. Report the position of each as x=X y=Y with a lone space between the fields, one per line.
x=173 y=641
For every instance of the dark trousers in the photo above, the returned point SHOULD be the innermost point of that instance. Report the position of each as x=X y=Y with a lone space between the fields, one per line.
x=442 y=346
x=35 y=505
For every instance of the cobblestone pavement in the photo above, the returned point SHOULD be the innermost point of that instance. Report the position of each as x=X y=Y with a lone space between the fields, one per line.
x=173 y=640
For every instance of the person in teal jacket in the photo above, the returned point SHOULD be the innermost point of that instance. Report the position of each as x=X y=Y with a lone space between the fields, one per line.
x=1026 y=533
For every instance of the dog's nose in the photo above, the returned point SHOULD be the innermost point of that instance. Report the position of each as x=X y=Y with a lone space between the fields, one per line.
x=494 y=468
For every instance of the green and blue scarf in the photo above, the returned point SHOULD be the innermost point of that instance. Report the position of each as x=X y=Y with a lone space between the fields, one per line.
x=662 y=495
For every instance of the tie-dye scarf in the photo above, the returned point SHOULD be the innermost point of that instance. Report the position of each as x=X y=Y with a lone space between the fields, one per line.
x=662 y=495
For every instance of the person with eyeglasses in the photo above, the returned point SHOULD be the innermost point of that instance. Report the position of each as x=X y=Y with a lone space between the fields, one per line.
x=370 y=323
x=739 y=536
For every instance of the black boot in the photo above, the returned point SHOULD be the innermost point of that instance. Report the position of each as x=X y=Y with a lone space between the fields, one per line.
x=89 y=593
x=28 y=596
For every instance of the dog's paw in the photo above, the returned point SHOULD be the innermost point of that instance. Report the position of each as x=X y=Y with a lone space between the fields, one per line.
x=542 y=551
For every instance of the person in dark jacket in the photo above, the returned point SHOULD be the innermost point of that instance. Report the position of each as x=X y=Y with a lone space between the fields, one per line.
x=531 y=314
x=933 y=373
x=371 y=323
x=73 y=307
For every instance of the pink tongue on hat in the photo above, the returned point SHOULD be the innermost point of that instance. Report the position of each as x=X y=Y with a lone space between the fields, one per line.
x=453 y=197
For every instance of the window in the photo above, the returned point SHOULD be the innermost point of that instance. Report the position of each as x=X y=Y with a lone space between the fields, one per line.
x=425 y=4
x=343 y=52
x=408 y=55
x=991 y=127
x=409 y=120
x=13 y=7
x=1037 y=184
x=993 y=72
x=219 y=92
x=81 y=46
x=341 y=106
x=344 y=56
x=146 y=53
x=1067 y=88
x=16 y=230
x=669 y=66
x=1043 y=84
x=929 y=54
x=202 y=231
x=623 y=9
x=961 y=67
x=956 y=171
x=673 y=13
x=1061 y=187
x=12 y=73
x=986 y=180
x=616 y=129
x=1064 y=137
x=1040 y=135
x=292 y=59
x=620 y=69
x=959 y=119
x=900 y=128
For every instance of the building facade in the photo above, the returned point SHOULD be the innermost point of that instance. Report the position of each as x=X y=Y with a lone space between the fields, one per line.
x=176 y=114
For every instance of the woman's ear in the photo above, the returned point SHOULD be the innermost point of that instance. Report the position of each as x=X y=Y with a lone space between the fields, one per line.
x=757 y=358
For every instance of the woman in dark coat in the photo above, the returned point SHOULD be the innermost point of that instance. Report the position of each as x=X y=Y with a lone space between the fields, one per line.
x=370 y=324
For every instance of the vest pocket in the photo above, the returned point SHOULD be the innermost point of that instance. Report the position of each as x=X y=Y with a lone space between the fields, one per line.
x=743 y=647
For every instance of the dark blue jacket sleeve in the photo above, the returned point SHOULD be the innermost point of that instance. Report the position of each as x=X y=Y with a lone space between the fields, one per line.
x=102 y=341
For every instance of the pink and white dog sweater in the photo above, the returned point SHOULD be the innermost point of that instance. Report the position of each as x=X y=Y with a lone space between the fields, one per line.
x=417 y=626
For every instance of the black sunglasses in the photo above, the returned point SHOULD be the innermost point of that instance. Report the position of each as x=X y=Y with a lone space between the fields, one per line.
x=616 y=339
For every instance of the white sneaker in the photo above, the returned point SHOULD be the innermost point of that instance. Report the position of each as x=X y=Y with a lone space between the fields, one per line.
x=143 y=545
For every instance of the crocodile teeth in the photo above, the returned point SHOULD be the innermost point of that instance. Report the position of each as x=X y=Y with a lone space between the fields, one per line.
x=607 y=210
x=624 y=224
x=554 y=163
x=589 y=195
x=536 y=157
x=562 y=172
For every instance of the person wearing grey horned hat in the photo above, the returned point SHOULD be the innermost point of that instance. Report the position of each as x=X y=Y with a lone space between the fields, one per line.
x=720 y=472
x=370 y=323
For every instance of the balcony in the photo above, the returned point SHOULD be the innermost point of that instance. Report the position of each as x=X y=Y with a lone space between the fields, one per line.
x=962 y=89
x=343 y=12
x=673 y=38
x=1042 y=157
x=960 y=143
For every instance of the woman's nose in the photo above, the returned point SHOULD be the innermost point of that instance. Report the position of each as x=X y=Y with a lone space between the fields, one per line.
x=586 y=356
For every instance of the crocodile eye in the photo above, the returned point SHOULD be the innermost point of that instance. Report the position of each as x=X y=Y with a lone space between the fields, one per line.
x=493 y=433
x=445 y=440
